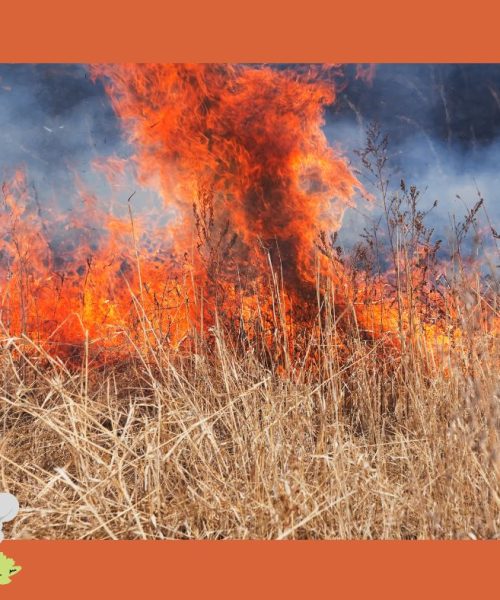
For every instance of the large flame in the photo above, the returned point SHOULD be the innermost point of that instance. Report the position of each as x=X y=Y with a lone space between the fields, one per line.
x=246 y=145
x=249 y=186
x=245 y=172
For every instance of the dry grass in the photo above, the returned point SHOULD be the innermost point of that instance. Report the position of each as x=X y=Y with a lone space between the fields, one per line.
x=229 y=440
x=217 y=445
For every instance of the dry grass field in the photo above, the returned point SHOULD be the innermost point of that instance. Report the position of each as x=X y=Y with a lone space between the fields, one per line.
x=283 y=387
x=355 y=437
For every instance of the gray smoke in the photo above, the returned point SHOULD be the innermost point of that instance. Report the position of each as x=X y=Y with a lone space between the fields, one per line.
x=443 y=124
x=443 y=128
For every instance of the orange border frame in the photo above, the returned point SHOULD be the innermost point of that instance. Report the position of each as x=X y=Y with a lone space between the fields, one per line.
x=257 y=31
x=223 y=30
x=238 y=570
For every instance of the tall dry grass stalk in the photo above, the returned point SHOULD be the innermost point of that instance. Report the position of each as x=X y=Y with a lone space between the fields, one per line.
x=229 y=440
x=220 y=444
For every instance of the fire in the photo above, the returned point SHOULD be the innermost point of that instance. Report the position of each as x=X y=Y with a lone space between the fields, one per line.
x=249 y=186
x=248 y=141
x=366 y=72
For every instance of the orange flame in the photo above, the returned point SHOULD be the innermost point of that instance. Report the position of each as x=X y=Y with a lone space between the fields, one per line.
x=246 y=177
x=249 y=141
x=366 y=72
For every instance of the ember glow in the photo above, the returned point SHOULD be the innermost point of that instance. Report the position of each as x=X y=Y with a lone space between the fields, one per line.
x=251 y=192
x=366 y=72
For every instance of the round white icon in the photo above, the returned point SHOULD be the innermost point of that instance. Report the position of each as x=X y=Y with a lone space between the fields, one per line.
x=9 y=507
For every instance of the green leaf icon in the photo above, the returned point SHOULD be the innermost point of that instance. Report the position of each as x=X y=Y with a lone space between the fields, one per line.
x=8 y=568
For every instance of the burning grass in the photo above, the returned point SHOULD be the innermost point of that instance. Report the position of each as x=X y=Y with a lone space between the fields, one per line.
x=230 y=371
x=217 y=445
x=231 y=437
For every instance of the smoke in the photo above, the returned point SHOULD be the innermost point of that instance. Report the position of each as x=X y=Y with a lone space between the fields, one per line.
x=54 y=123
x=443 y=124
x=52 y=116
x=241 y=161
x=443 y=128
